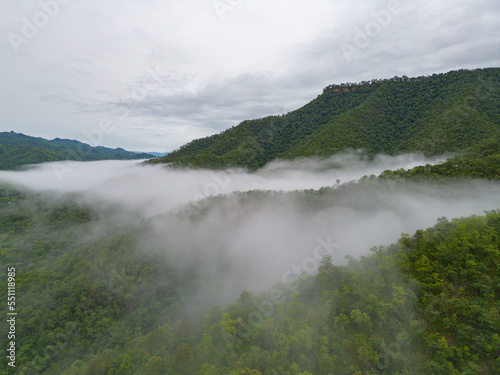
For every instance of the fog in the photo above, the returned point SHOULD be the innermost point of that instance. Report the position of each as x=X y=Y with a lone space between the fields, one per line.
x=273 y=232
x=155 y=189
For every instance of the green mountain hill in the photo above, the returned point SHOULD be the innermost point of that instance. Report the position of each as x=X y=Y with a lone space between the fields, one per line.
x=480 y=161
x=18 y=149
x=100 y=291
x=434 y=114
x=107 y=304
x=114 y=301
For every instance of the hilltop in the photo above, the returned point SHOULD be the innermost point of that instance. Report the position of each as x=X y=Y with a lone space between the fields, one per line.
x=17 y=149
x=447 y=112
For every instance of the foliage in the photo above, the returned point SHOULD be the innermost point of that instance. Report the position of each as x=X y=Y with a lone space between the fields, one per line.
x=82 y=290
x=97 y=304
x=427 y=305
x=481 y=161
x=440 y=113
x=95 y=301
x=18 y=149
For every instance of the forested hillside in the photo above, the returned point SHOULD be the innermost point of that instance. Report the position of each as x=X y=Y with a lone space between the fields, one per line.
x=100 y=295
x=434 y=114
x=103 y=289
x=426 y=305
x=18 y=149
x=480 y=161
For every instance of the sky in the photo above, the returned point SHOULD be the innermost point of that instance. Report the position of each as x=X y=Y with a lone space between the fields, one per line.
x=153 y=75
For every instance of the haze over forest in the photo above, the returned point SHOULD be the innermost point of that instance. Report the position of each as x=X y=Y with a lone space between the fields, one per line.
x=323 y=196
x=258 y=221
x=134 y=266
x=152 y=260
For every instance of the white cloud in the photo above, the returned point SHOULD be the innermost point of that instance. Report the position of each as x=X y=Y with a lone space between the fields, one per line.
x=261 y=58
x=157 y=189
x=251 y=241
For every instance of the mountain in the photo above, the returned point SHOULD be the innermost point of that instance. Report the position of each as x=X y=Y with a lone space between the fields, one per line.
x=100 y=289
x=433 y=114
x=158 y=154
x=17 y=149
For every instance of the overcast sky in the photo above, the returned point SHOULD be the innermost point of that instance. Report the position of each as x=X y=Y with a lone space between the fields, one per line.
x=152 y=75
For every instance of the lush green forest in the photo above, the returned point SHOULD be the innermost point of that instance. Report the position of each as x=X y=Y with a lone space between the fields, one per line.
x=425 y=305
x=479 y=161
x=101 y=289
x=95 y=299
x=18 y=149
x=435 y=114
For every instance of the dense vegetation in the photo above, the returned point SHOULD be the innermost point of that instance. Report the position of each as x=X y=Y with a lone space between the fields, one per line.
x=80 y=288
x=426 y=305
x=95 y=300
x=18 y=149
x=480 y=161
x=436 y=114
x=103 y=291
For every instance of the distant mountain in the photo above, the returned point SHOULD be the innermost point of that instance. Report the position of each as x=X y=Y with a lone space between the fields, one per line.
x=17 y=149
x=158 y=154
x=434 y=114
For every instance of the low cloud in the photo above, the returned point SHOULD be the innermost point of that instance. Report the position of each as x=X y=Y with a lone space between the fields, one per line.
x=156 y=189
x=247 y=230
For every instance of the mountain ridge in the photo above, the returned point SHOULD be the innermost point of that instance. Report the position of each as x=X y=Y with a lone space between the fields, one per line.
x=447 y=112
x=17 y=149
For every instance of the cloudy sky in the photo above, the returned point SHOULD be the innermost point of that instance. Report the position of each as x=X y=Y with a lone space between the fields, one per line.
x=152 y=75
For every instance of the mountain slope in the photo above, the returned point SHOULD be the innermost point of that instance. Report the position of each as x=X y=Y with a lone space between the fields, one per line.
x=108 y=304
x=445 y=112
x=480 y=161
x=18 y=149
